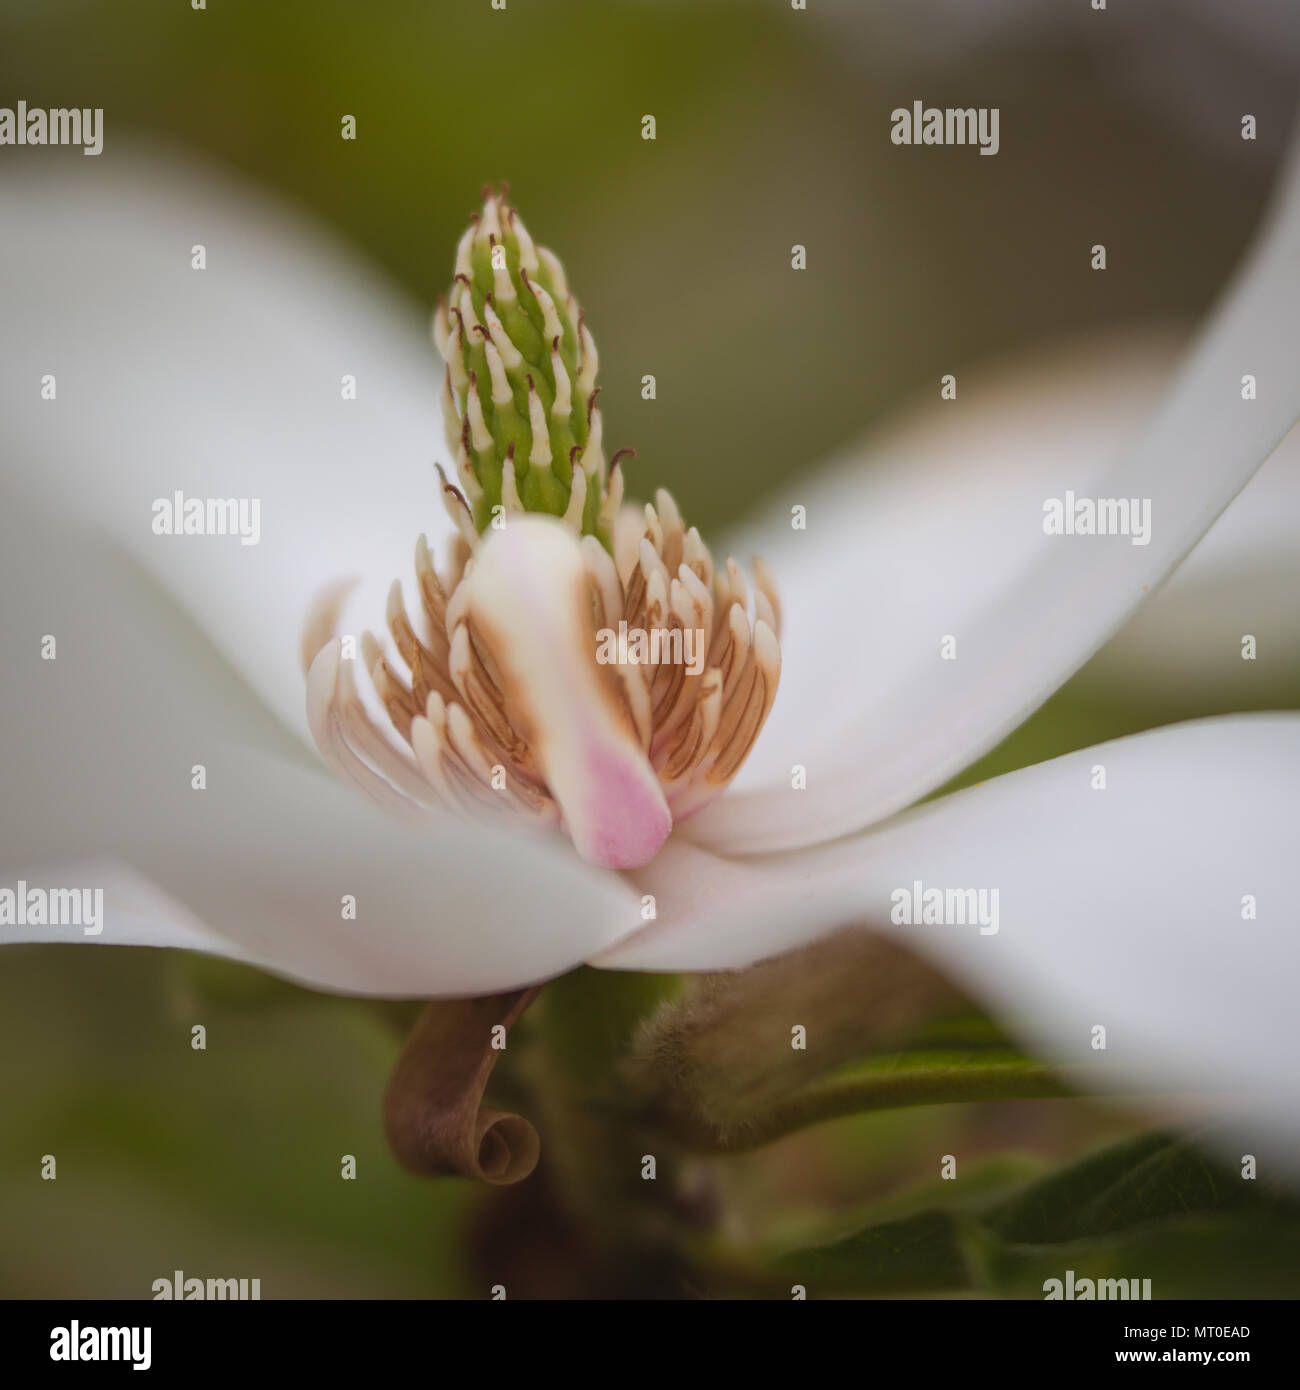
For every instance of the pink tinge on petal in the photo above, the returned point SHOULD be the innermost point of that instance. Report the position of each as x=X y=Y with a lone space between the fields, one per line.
x=529 y=607
x=623 y=826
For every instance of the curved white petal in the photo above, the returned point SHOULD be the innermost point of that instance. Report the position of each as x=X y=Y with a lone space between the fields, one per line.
x=102 y=749
x=889 y=561
x=944 y=538
x=529 y=599
x=1121 y=907
x=225 y=382
x=139 y=912
x=1242 y=580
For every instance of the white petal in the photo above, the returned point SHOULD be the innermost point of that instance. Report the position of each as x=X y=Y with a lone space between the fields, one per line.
x=1120 y=907
x=102 y=743
x=225 y=383
x=944 y=538
x=1184 y=648
x=885 y=566
x=530 y=601
x=138 y=912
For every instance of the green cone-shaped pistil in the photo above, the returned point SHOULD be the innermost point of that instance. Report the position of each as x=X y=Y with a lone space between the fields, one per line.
x=520 y=397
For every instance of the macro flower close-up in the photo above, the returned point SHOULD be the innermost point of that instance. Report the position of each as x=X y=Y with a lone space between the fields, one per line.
x=819 y=850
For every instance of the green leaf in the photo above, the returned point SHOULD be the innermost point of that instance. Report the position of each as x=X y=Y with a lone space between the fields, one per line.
x=1141 y=1179
x=926 y=1253
x=1155 y=1207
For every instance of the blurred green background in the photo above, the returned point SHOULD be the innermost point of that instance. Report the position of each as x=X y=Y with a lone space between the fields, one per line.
x=772 y=128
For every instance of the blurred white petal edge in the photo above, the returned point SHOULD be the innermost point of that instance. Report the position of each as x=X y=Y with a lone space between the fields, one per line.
x=1121 y=907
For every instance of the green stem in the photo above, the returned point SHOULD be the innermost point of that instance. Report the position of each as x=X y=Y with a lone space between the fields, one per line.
x=856 y=1095
x=593 y=1132
x=863 y=1091
x=590 y=1017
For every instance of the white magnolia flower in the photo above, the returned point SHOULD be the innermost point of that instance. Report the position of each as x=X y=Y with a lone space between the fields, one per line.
x=1121 y=907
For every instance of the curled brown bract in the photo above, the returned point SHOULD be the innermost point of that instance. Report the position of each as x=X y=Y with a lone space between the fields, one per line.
x=434 y=1115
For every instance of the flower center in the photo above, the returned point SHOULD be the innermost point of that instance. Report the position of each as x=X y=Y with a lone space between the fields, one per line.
x=576 y=661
